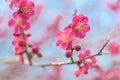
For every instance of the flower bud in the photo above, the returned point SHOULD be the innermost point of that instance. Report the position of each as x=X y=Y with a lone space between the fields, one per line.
x=68 y=54
x=21 y=43
x=35 y=49
x=39 y=54
x=77 y=47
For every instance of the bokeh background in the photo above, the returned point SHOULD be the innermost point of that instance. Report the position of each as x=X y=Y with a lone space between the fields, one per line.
x=50 y=17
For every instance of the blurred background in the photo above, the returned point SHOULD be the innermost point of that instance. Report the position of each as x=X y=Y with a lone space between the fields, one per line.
x=50 y=17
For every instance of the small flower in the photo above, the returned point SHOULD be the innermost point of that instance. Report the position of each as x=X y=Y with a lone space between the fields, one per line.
x=39 y=54
x=18 y=24
x=79 y=71
x=65 y=39
x=35 y=49
x=80 y=26
x=19 y=44
x=25 y=9
x=13 y=3
x=87 y=62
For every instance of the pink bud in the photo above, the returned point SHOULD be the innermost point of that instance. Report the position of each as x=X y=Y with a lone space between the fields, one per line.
x=35 y=49
x=77 y=47
x=68 y=54
x=21 y=43
x=16 y=34
x=39 y=54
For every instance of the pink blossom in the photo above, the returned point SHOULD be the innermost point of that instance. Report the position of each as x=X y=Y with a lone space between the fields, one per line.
x=35 y=50
x=80 y=26
x=79 y=71
x=21 y=58
x=17 y=42
x=18 y=24
x=13 y=3
x=65 y=39
x=87 y=62
x=25 y=9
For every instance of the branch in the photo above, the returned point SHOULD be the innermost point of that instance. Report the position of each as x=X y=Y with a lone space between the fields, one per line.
x=26 y=49
x=75 y=61
x=63 y=63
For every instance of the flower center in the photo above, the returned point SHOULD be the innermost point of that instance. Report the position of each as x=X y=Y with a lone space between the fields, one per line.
x=25 y=9
x=12 y=1
x=65 y=38
x=19 y=21
x=78 y=27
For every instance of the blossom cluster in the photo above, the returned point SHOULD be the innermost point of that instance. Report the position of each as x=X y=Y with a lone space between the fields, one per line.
x=77 y=28
x=86 y=64
x=20 y=25
x=65 y=39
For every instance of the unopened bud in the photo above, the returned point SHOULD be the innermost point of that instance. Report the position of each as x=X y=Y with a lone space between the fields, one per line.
x=68 y=54
x=77 y=47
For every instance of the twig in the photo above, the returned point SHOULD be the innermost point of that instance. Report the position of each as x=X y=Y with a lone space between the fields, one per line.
x=75 y=61
x=69 y=62
x=72 y=60
x=26 y=49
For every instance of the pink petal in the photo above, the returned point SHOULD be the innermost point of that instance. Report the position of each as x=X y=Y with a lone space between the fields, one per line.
x=11 y=23
x=21 y=58
x=26 y=26
x=80 y=55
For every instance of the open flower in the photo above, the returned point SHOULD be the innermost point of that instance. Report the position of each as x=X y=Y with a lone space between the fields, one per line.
x=19 y=44
x=18 y=24
x=26 y=9
x=65 y=39
x=79 y=71
x=80 y=26
x=13 y=3
x=87 y=63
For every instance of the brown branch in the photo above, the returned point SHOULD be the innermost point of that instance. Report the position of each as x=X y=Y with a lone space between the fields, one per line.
x=26 y=49
x=75 y=61
x=65 y=63
x=72 y=60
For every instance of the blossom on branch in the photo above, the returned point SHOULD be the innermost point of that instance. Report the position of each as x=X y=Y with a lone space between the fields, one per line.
x=79 y=71
x=80 y=26
x=19 y=44
x=64 y=39
x=18 y=23
x=13 y=3
x=85 y=64
x=26 y=9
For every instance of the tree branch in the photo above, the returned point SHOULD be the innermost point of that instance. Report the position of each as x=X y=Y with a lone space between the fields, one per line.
x=26 y=49
x=63 y=63
x=75 y=61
